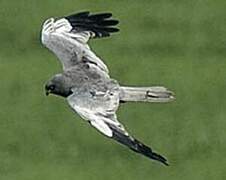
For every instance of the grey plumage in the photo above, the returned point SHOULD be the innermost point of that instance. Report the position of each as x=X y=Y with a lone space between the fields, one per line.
x=145 y=94
x=85 y=81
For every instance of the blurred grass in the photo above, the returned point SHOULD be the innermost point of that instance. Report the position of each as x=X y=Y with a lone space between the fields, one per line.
x=180 y=44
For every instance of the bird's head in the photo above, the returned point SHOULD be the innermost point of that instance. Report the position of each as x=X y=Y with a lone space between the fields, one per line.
x=58 y=85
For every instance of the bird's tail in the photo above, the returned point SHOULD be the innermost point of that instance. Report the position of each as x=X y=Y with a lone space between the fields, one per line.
x=136 y=145
x=145 y=94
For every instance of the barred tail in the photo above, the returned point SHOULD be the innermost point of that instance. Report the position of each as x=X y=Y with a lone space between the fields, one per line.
x=145 y=94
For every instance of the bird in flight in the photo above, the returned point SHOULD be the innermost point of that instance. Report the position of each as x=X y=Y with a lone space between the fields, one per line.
x=85 y=81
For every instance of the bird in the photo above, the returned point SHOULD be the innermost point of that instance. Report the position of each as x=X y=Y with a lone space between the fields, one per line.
x=85 y=81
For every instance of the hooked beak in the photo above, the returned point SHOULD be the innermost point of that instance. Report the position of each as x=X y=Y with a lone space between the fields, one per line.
x=47 y=92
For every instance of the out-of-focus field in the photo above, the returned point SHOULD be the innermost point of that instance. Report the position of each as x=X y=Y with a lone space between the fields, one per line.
x=179 y=44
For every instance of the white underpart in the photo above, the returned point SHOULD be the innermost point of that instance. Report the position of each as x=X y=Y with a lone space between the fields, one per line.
x=102 y=127
x=96 y=120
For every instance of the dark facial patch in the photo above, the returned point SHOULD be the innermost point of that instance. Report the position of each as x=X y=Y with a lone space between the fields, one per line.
x=57 y=85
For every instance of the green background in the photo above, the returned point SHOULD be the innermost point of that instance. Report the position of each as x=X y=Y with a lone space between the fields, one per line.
x=180 y=44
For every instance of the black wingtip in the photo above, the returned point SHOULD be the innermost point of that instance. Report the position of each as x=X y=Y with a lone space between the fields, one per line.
x=136 y=145
x=147 y=151
x=78 y=15
x=159 y=158
x=100 y=24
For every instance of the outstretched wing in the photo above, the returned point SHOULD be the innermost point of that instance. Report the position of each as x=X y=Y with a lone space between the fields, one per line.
x=99 y=109
x=97 y=105
x=67 y=37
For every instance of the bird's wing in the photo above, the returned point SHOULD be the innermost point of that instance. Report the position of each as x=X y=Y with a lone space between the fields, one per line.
x=99 y=109
x=67 y=37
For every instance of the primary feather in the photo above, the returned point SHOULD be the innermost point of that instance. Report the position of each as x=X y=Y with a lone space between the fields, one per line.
x=99 y=24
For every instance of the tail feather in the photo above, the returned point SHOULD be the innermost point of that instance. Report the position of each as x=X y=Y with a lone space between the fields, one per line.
x=145 y=94
x=136 y=145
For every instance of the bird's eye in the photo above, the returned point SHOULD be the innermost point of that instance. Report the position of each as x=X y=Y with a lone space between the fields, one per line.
x=52 y=87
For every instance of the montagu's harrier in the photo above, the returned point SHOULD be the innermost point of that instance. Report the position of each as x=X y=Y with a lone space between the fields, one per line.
x=85 y=80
